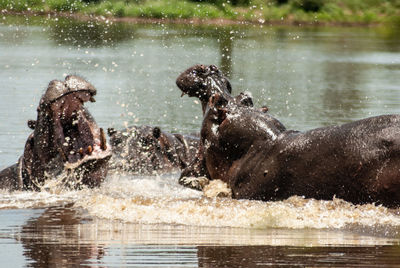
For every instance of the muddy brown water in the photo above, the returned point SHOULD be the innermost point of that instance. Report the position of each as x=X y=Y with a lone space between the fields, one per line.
x=309 y=77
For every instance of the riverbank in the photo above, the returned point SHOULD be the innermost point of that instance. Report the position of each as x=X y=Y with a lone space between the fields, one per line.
x=293 y=12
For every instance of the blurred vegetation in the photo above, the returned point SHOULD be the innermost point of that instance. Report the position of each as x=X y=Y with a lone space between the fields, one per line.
x=289 y=11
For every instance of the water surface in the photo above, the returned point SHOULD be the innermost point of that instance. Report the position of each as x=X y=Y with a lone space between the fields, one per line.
x=309 y=77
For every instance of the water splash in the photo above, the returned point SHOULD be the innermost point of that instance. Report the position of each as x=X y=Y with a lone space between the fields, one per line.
x=161 y=200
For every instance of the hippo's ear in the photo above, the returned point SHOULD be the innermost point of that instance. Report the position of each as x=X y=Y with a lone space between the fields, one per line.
x=246 y=99
x=111 y=131
x=156 y=132
x=31 y=124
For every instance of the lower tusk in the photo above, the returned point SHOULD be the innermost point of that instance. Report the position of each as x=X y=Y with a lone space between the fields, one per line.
x=92 y=99
x=81 y=151
x=183 y=94
x=89 y=149
x=103 y=142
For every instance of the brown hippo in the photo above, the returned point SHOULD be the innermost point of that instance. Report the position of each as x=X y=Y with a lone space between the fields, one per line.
x=259 y=159
x=203 y=81
x=148 y=150
x=66 y=139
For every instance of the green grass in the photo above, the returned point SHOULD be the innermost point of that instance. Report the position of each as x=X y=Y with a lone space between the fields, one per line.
x=321 y=11
x=159 y=9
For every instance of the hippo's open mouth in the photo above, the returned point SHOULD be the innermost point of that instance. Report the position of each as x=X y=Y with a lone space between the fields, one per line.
x=202 y=81
x=78 y=139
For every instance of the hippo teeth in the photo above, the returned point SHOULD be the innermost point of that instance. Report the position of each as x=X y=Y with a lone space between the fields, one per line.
x=183 y=94
x=92 y=99
x=103 y=142
x=89 y=150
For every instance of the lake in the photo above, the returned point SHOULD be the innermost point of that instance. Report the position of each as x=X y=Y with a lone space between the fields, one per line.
x=307 y=76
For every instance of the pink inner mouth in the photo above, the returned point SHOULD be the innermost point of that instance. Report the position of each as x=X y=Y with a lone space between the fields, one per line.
x=77 y=134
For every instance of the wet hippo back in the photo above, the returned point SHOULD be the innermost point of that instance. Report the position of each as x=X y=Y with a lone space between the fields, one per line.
x=149 y=150
x=358 y=161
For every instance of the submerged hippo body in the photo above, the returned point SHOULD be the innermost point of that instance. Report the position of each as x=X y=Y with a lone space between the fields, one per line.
x=149 y=150
x=259 y=159
x=66 y=140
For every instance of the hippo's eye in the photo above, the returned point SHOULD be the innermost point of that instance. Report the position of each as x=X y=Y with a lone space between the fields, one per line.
x=144 y=141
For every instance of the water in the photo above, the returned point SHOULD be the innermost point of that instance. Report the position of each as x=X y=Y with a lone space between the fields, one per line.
x=309 y=77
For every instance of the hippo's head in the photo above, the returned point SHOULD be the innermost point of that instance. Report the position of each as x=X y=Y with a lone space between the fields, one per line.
x=148 y=150
x=202 y=81
x=236 y=127
x=66 y=136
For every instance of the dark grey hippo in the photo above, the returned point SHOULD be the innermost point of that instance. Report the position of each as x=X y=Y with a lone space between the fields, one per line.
x=149 y=150
x=66 y=140
x=260 y=159
x=202 y=82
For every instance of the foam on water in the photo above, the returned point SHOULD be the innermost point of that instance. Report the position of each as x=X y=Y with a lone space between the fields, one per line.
x=25 y=199
x=161 y=200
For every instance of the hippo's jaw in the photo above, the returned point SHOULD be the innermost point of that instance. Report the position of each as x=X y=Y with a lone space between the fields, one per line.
x=78 y=138
x=203 y=81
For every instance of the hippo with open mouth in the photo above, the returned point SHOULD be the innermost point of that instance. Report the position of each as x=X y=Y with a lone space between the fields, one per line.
x=149 y=150
x=202 y=82
x=66 y=140
x=260 y=159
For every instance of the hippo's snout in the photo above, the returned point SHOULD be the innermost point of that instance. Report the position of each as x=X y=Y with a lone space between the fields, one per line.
x=72 y=84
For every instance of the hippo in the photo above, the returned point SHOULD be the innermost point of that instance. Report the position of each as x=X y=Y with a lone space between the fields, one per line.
x=65 y=140
x=149 y=150
x=260 y=159
x=203 y=81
